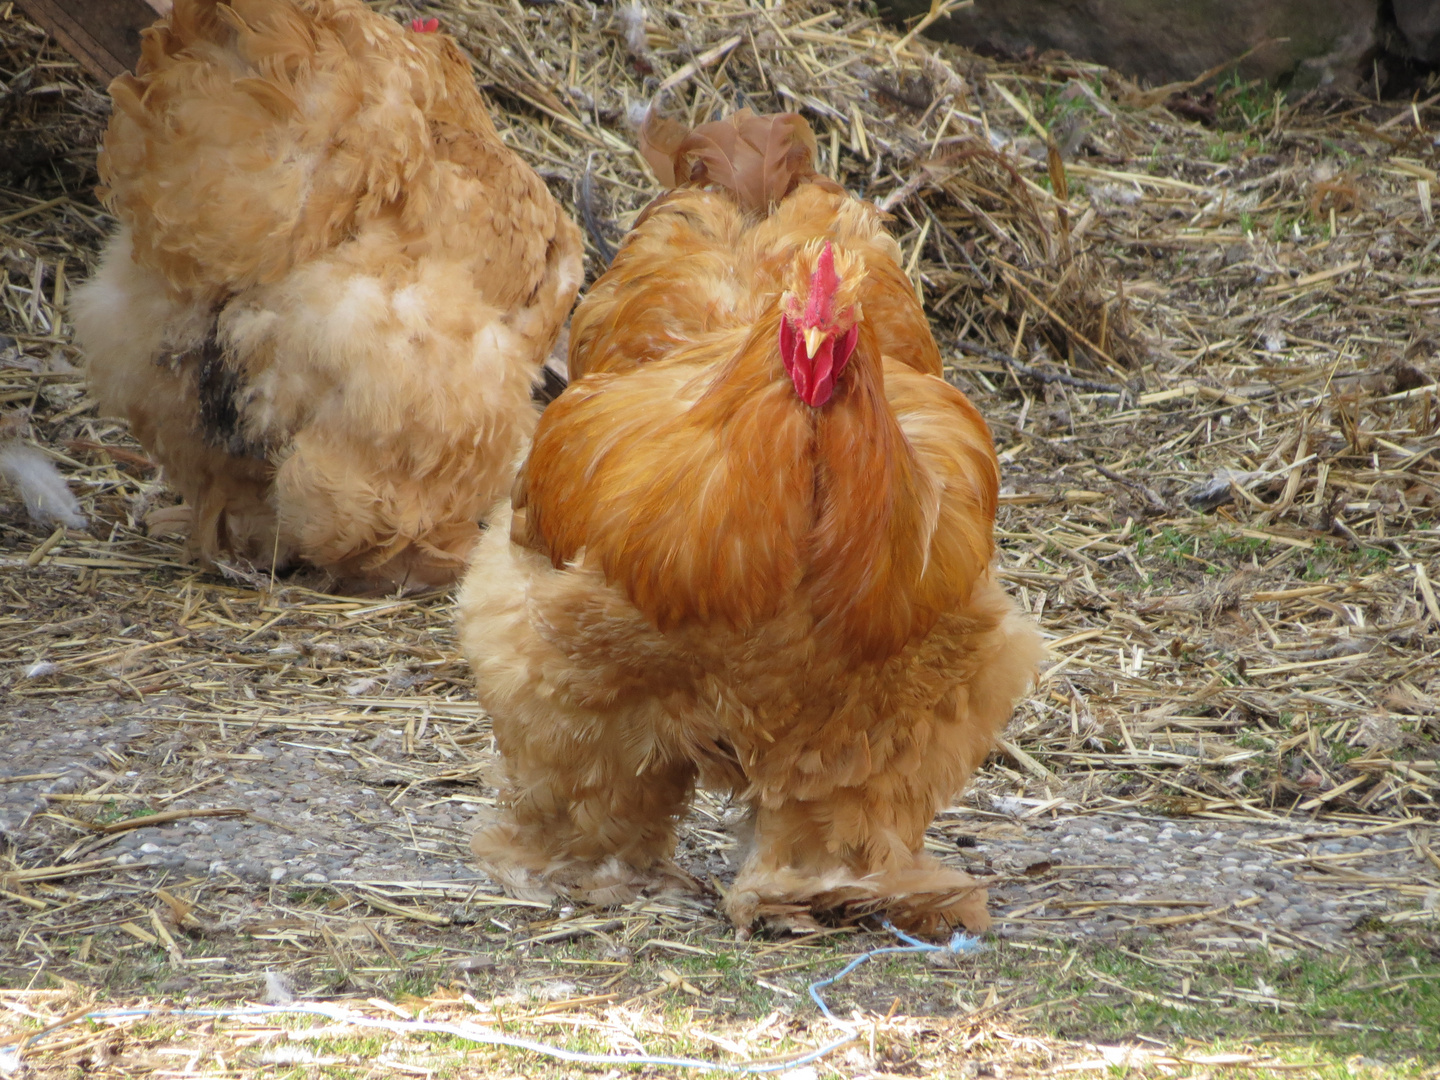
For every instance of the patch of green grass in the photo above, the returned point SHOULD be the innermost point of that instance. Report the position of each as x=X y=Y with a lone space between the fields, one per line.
x=1346 y=158
x=1324 y=560
x=1340 y=752
x=142 y=968
x=1383 y=1004
x=1372 y=559
x=318 y=896
x=416 y=983
x=1169 y=544
x=1243 y=103
x=359 y=1045
x=1251 y=740
x=1053 y=109
x=1380 y=1001
x=113 y=811
x=1242 y=546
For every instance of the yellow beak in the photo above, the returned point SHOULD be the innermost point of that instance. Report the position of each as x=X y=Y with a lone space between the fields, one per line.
x=814 y=338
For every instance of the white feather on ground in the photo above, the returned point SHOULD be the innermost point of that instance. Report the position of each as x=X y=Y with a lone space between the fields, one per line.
x=40 y=484
x=632 y=31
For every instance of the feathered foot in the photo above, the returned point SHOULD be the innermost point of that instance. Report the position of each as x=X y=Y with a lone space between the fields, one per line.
x=926 y=898
x=166 y=521
x=518 y=867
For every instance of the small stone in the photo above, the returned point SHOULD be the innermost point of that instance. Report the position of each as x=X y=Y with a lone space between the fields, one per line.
x=277 y=873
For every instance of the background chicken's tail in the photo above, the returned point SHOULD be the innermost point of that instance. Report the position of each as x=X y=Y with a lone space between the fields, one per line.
x=758 y=159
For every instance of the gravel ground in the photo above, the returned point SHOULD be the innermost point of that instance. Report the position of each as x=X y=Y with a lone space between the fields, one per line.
x=370 y=806
x=313 y=813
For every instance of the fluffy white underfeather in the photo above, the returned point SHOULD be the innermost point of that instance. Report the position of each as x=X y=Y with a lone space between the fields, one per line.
x=40 y=484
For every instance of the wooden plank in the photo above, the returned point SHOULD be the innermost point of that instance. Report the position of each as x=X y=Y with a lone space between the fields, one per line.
x=103 y=35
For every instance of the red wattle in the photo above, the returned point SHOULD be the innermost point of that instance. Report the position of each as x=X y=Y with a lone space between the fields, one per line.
x=822 y=375
x=814 y=376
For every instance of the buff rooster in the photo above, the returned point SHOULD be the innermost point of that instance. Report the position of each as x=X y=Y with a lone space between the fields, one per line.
x=750 y=549
x=331 y=291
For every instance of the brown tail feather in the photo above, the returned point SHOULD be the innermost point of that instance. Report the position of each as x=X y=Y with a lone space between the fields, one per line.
x=758 y=159
x=190 y=22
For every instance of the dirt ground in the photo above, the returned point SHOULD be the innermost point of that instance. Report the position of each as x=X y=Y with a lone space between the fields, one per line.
x=1210 y=835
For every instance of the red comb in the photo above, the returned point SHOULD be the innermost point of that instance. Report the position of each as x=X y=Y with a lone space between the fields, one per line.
x=823 y=284
x=425 y=26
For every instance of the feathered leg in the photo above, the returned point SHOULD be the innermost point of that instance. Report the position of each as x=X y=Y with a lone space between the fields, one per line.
x=583 y=815
x=596 y=778
x=858 y=846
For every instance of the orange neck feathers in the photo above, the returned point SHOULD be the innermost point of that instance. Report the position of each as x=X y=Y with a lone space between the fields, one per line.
x=872 y=521
x=746 y=501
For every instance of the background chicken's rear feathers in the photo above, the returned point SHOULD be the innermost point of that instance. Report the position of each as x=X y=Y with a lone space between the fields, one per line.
x=333 y=287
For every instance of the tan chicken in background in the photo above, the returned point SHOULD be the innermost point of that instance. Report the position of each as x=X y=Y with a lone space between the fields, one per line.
x=332 y=288
x=750 y=548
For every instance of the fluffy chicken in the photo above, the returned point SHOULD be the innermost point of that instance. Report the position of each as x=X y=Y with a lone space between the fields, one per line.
x=750 y=548
x=332 y=288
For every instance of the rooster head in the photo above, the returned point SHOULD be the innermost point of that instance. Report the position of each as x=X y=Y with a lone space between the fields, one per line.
x=820 y=320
